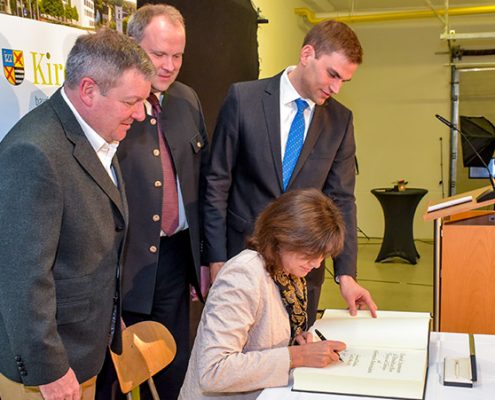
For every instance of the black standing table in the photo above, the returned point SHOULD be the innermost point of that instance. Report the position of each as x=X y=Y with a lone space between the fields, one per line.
x=398 y=208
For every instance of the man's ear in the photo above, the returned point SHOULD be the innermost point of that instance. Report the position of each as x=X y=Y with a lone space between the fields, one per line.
x=307 y=53
x=88 y=89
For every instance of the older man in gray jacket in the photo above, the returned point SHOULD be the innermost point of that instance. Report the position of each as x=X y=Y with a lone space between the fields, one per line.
x=63 y=220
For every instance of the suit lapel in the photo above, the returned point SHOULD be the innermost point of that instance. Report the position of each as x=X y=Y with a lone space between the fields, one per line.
x=173 y=128
x=116 y=344
x=84 y=153
x=121 y=188
x=271 y=108
x=169 y=122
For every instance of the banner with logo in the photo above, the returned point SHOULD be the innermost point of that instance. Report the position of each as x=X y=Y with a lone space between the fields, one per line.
x=33 y=64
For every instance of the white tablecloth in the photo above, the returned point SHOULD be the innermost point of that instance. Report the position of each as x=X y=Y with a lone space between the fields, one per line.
x=441 y=345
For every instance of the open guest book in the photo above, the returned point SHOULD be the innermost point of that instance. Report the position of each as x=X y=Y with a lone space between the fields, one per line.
x=385 y=356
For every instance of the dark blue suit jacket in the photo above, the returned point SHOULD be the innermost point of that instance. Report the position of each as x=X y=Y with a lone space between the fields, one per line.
x=245 y=171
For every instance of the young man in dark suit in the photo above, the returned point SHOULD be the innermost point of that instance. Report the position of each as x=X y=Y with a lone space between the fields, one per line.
x=284 y=133
x=162 y=161
x=64 y=220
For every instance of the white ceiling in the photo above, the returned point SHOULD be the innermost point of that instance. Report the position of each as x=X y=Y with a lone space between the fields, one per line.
x=346 y=6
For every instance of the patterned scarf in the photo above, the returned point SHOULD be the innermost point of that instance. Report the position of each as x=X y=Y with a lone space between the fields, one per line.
x=295 y=298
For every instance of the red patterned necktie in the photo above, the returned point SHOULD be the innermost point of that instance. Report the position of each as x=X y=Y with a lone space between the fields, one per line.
x=170 y=205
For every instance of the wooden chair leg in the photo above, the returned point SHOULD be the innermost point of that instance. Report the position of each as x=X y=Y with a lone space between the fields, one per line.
x=153 y=391
x=134 y=394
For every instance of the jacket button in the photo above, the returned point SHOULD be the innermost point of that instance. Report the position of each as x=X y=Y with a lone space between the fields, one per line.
x=18 y=358
x=23 y=372
x=153 y=249
x=156 y=152
x=153 y=121
x=158 y=184
x=199 y=144
x=156 y=218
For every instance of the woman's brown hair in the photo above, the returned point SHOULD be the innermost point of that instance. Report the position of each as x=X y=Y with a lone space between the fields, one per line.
x=304 y=221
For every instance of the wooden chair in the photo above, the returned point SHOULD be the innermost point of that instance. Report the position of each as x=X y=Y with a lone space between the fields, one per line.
x=147 y=347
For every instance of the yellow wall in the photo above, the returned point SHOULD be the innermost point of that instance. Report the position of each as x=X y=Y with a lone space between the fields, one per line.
x=279 y=40
x=394 y=95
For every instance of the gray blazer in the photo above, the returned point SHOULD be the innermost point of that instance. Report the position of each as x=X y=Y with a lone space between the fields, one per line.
x=63 y=223
x=245 y=171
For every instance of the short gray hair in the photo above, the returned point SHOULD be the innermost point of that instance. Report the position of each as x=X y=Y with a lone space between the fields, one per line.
x=143 y=16
x=104 y=56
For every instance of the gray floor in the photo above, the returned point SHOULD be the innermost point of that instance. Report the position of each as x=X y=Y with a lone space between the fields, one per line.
x=395 y=285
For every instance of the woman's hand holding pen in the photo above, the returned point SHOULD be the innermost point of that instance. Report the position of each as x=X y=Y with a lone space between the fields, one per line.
x=314 y=354
x=320 y=335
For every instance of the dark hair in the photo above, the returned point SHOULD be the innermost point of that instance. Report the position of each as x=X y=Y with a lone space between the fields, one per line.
x=143 y=16
x=304 y=221
x=104 y=56
x=330 y=36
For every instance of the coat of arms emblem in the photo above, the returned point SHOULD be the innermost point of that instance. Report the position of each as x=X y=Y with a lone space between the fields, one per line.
x=13 y=66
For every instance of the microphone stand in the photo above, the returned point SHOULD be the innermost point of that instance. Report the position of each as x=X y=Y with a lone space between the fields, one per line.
x=487 y=194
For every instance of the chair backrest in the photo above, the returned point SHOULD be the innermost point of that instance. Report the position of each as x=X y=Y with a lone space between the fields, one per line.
x=147 y=347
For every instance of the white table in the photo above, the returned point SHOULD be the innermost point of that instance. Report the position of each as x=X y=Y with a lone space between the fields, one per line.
x=441 y=345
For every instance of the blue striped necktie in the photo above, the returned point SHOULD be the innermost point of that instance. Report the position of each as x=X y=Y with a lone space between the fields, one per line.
x=295 y=142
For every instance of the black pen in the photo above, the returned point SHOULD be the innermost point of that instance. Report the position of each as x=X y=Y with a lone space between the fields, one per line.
x=322 y=337
x=472 y=356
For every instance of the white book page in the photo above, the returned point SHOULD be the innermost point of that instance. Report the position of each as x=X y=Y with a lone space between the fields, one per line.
x=377 y=363
x=364 y=314
x=369 y=372
x=391 y=329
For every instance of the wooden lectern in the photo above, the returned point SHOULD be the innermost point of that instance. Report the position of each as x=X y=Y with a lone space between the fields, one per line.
x=464 y=263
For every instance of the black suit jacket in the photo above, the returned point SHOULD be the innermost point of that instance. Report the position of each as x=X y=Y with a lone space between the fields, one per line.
x=63 y=222
x=245 y=170
x=185 y=132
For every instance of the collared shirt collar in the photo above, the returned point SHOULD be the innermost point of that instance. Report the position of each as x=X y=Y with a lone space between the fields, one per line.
x=147 y=105
x=288 y=93
x=104 y=150
x=97 y=142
